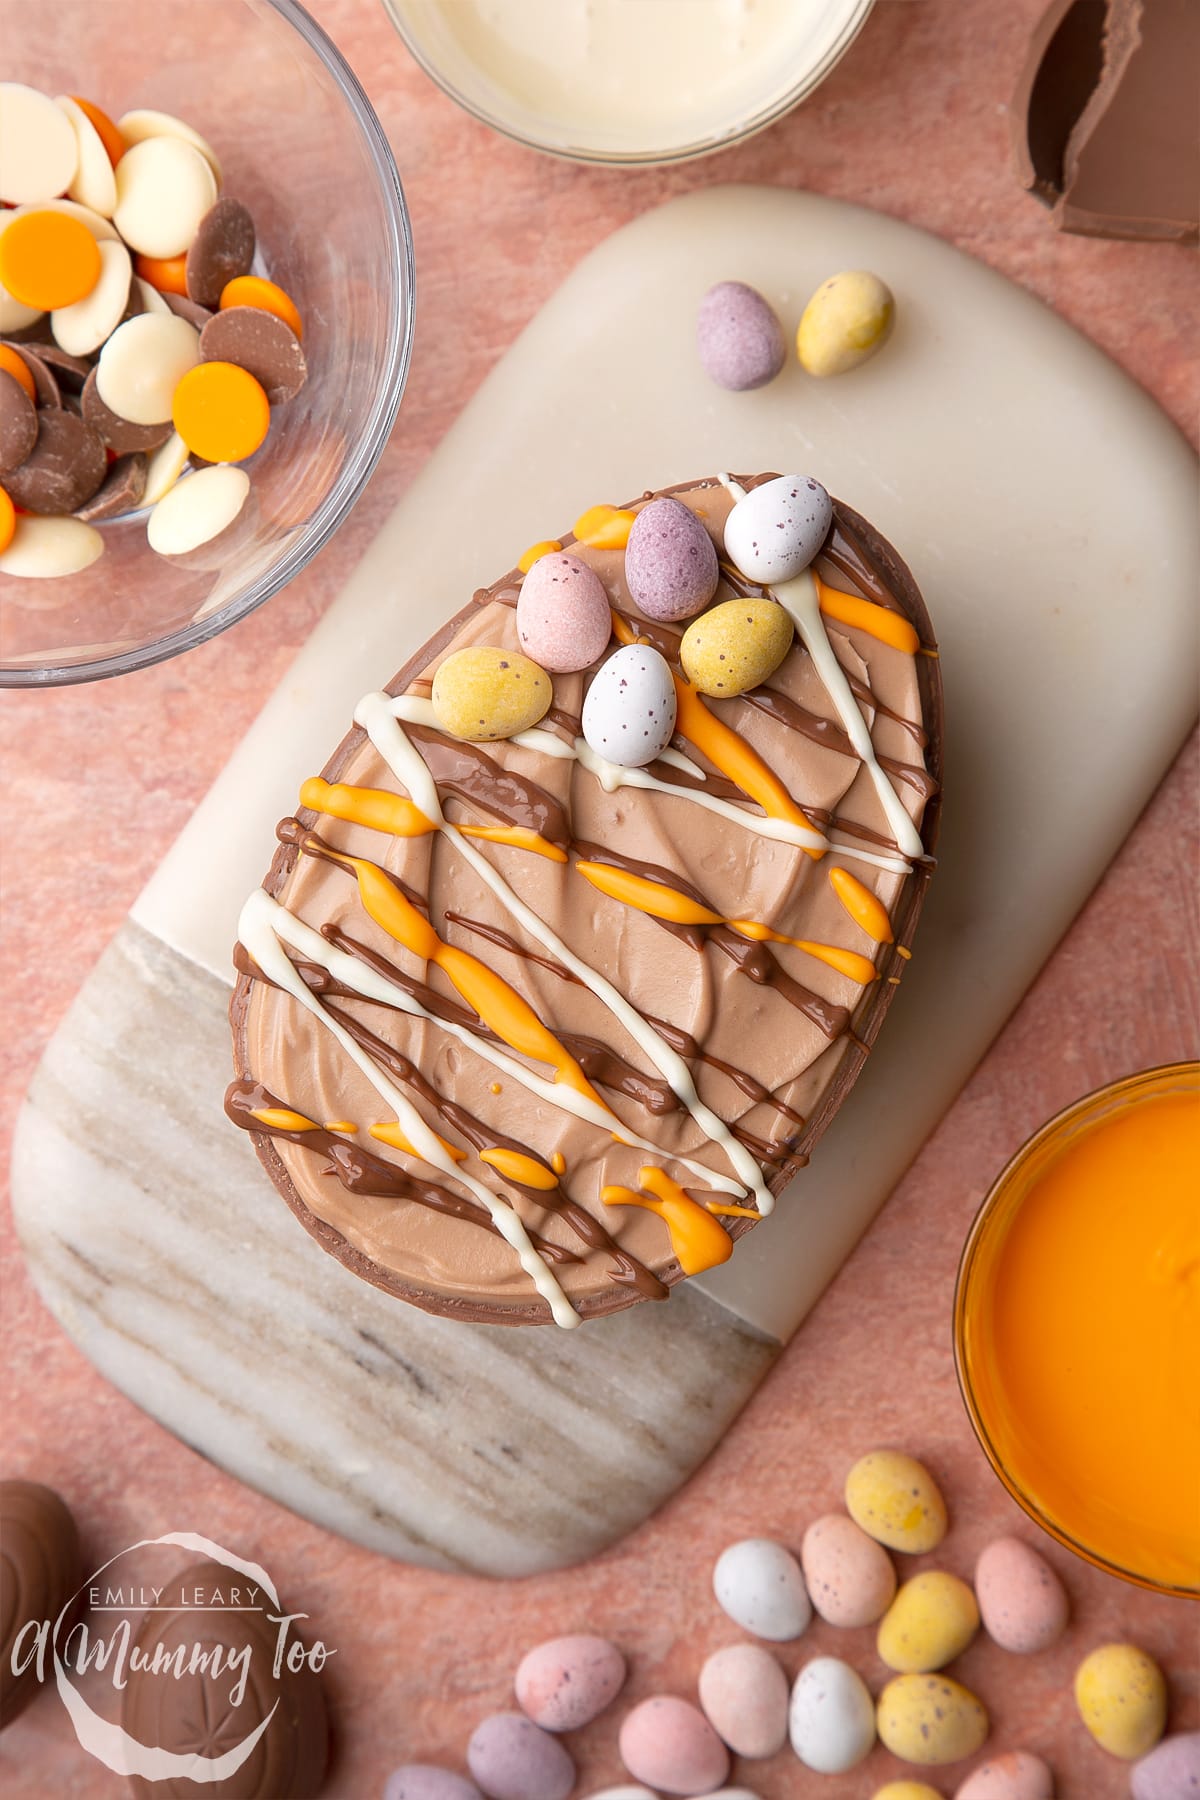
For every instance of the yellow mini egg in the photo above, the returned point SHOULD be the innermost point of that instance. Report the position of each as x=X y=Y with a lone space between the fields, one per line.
x=906 y=1790
x=930 y=1719
x=1122 y=1699
x=931 y=1621
x=484 y=693
x=847 y=320
x=735 y=646
x=895 y=1500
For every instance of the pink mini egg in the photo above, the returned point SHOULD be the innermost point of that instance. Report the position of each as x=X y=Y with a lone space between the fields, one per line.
x=1014 y=1776
x=1022 y=1602
x=670 y=1745
x=511 y=1758
x=569 y=1681
x=850 y=1577
x=671 y=566
x=563 y=616
x=744 y=1693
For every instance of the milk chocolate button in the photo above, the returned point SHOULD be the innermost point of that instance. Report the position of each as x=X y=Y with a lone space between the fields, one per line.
x=39 y=1572
x=121 y=435
x=222 y=249
x=43 y=377
x=64 y=468
x=120 y=492
x=193 y=1715
x=18 y=423
x=70 y=372
x=260 y=343
x=188 y=309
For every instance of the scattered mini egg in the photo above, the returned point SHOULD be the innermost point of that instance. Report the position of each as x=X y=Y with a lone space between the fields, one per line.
x=630 y=707
x=931 y=1621
x=849 y=1576
x=831 y=1720
x=1017 y=1775
x=773 y=533
x=623 y=1793
x=569 y=1681
x=422 y=1781
x=483 y=693
x=564 y=620
x=896 y=1501
x=760 y=1585
x=1122 y=1699
x=735 y=646
x=197 y=510
x=669 y=1744
x=1172 y=1772
x=671 y=567
x=739 y=340
x=930 y=1719
x=1022 y=1602
x=744 y=1694
x=511 y=1758
x=847 y=320
x=906 y=1790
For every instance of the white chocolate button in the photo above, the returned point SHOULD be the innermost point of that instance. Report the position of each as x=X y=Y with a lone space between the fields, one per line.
x=94 y=184
x=136 y=127
x=152 y=300
x=38 y=151
x=164 y=468
x=82 y=328
x=197 y=510
x=143 y=363
x=46 y=546
x=101 y=229
x=164 y=189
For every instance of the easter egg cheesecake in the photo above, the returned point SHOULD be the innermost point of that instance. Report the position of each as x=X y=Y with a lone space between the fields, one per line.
x=576 y=943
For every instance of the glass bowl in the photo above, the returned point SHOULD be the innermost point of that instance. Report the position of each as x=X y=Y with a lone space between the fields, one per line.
x=517 y=65
x=1011 y=1266
x=301 y=146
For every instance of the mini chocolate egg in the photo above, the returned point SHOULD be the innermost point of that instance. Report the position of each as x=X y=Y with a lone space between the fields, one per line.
x=775 y=531
x=896 y=1501
x=483 y=693
x=1172 y=1772
x=629 y=709
x=735 y=646
x=671 y=567
x=669 y=1744
x=931 y=1621
x=744 y=1694
x=569 y=1681
x=847 y=320
x=906 y=1790
x=423 y=1781
x=739 y=340
x=831 y=1720
x=564 y=620
x=511 y=1758
x=1122 y=1699
x=849 y=1576
x=760 y=1585
x=625 y=1792
x=1017 y=1775
x=1022 y=1602
x=930 y=1719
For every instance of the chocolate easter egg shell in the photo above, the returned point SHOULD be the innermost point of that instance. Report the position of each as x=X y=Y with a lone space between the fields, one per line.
x=40 y=1571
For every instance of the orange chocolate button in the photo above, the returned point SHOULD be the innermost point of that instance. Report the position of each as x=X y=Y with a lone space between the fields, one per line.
x=221 y=412
x=48 y=259
x=18 y=368
x=166 y=273
x=110 y=137
x=8 y=520
x=253 y=290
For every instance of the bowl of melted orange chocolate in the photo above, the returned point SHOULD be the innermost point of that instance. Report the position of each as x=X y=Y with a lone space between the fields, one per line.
x=582 y=935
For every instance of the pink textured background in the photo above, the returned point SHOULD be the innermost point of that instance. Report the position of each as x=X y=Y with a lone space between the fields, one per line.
x=99 y=780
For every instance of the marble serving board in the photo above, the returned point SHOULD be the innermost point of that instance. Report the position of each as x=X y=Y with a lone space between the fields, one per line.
x=1047 y=509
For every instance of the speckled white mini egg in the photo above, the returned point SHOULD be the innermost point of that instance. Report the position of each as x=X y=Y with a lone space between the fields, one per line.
x=832 y=1716
x=629 y=710
x=759 y=1584
x=776 y=530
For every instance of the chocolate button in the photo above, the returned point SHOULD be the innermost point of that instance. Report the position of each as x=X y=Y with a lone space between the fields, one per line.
x=222 y=248
x=43 y=380
x=120 y=492
x=260 y=343
x=70 y=372
x=121 y=435
x=65 y=467
x=18 y=424
x=187 y=309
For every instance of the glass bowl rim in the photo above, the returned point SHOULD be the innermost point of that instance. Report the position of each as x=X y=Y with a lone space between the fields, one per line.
x=857 y=15
x=1162 y=1076
x=332 y=511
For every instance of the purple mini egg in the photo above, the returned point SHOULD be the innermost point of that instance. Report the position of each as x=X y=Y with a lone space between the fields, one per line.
x=670 y=564
x=739 y=340
x=423 y=1781
x=511 y=1758
x=1170 y=1772
x=563 y=616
